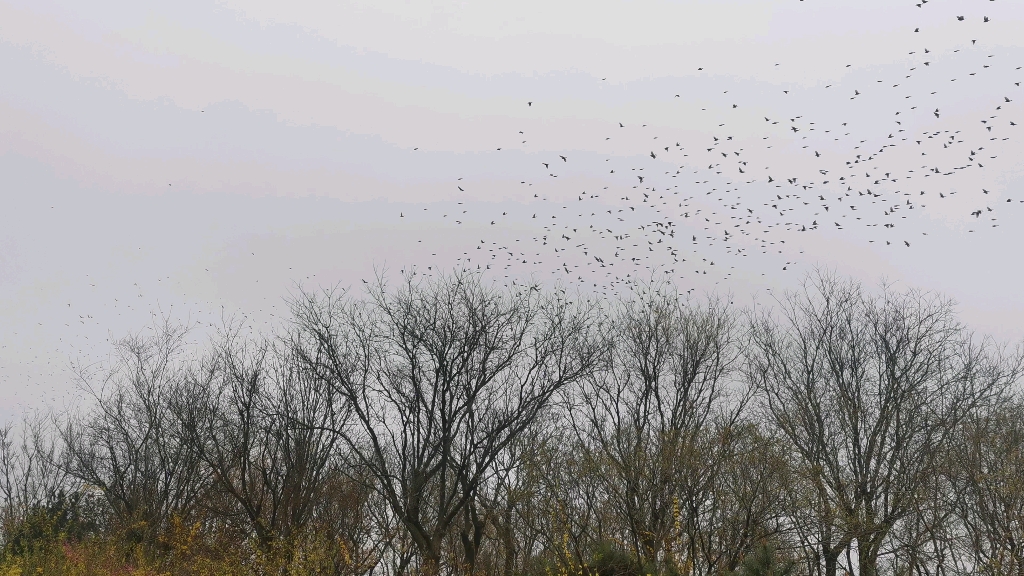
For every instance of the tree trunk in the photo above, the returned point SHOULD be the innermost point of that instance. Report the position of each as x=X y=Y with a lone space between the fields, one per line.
x=472 y=534
x=831 y=562
x=431 y=563
x=867 y=558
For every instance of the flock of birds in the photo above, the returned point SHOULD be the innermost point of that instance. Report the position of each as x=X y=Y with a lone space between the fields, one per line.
x=673 y=208
x=856 y=161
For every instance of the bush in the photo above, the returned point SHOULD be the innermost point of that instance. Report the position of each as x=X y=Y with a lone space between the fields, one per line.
x=65 y=517
x=764 y=561
x=611 y=560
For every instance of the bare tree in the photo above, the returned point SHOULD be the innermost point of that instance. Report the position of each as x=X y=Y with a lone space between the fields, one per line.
x=989 y=487
x=129 y=444
x=734 y=502
x=262 y=425
x=570 y=513
x=442 y=424
x=510 y=502
x=643 y=416
x=36 y=494
x=441 y=375
x=869 y=390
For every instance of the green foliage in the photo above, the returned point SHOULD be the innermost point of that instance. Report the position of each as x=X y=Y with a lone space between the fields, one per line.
x=64 y=517
x=764 y=561
x=610 y=559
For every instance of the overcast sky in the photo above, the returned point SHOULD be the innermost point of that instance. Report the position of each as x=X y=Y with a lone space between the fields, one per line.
x=195 y=159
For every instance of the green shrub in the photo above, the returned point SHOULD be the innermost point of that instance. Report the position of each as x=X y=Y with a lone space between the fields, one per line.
x=610 y=559
x=64 y=517
x=764 y=561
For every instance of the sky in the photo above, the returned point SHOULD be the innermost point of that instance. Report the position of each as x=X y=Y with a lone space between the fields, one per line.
x=202 y=160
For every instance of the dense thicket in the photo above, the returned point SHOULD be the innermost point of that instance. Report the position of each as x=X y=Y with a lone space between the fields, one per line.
x=445 y=425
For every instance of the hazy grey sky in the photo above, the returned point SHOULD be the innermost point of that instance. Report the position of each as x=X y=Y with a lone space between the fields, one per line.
x=195 y=156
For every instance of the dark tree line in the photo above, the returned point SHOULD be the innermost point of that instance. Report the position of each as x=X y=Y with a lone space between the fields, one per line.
x=448 y=426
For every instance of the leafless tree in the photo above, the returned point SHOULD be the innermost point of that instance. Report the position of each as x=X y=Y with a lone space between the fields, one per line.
x=512 y=499
x=643 y=415
x=735 y=501
x=263 y=427
x=989 y=488
x=570 y=514
x=129 y=444
x=33 y=475
x=446 y=425
x=869 y=390
x=441 y=375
